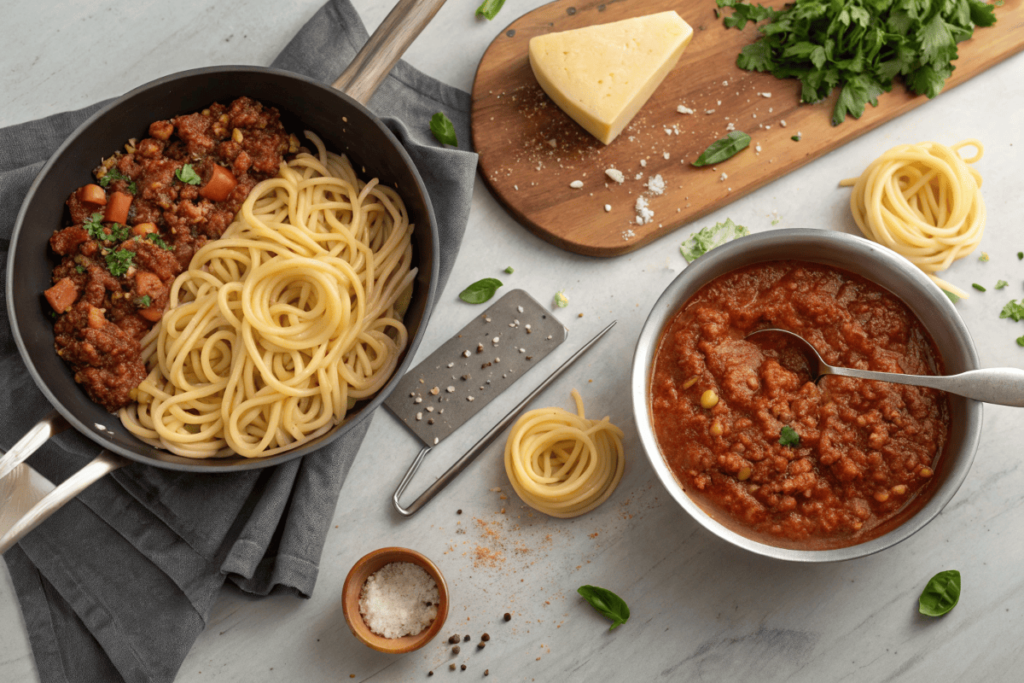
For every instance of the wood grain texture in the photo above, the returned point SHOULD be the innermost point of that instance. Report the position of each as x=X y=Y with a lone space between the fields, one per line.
x=530 y=151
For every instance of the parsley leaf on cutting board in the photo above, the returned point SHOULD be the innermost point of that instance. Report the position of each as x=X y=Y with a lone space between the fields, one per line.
x=859 y=46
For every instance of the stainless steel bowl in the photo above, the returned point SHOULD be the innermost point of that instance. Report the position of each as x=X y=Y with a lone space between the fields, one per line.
x=873 y=262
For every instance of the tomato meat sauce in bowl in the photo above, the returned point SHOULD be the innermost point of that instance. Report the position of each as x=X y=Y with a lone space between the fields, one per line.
x=771 y=461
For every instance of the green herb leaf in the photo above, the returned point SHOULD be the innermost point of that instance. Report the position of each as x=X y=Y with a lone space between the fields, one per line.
x=1001 y=284
x=1020 y=255
x=951 y=296
x=94 y=226
x=114 y=174
x=158 y=241
x=480 y=291
x=80 y=270
x=984 y=257
x=723 y=149
x=706 y=239
x=443 y=129
x=561 y=300
x=795 y=138
x=607 y=603
x=188 y=175
x=118 y=232
x=978 y=287
x=509 y=270
x=1013 y=311
x=1020 y=341
x=118 y=262
x=789 y=437
x=144 y=301
x=489 y=8
x=941 y=594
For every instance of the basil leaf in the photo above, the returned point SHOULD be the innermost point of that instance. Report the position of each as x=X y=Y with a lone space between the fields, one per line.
x=723 y=149
x=706 y=239
x=188 y=175
x=607 y=603
x=789 y=437
x=480 y=291
x=1020 y=341
x=443 y=129
x=941 y=594
x=489 y=8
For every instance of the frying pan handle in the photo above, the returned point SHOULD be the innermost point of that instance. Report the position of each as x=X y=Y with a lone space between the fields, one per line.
x=102 y=464
x=50 y=425
x=384 y=48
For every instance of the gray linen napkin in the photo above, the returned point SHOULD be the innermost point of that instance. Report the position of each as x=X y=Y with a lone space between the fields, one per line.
x=119 y=583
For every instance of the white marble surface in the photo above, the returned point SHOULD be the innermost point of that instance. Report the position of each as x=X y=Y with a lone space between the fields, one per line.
x=701 y=610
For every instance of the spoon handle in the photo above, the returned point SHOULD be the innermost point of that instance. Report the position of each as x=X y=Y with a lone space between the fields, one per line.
x=1004 y=386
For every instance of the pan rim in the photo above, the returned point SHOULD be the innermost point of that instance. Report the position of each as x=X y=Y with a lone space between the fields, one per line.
x=212 y=465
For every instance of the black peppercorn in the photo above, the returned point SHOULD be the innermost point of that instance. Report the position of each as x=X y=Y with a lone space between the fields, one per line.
x=463 y=667
x=508 y=617
x=485 y=637
x=454 y=638
x=481 y=645
x=455 y=649
x=466 y=639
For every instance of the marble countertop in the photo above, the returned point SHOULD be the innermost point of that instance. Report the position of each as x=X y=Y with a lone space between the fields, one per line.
x=701 y=609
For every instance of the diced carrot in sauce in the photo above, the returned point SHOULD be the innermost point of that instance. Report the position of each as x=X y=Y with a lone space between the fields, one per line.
x=62 y=295
x=97 y=317
x=152 y=314
x=148 y=284
x=92 y=194
x=144 y=229
x=117 y=208
x=221 y=183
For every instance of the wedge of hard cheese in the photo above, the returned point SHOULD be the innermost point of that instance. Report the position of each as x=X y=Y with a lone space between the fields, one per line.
x=602 y=75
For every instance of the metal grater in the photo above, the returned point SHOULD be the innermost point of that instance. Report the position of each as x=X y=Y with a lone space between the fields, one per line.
x=470 y=370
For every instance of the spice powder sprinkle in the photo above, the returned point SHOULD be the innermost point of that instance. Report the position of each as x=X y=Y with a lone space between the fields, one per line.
x=399 y=599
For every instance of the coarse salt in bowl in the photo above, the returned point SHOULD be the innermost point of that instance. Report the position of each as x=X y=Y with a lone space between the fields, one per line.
x=389 y=600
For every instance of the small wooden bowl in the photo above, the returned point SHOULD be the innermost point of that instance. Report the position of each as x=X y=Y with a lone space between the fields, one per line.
x=357 y=576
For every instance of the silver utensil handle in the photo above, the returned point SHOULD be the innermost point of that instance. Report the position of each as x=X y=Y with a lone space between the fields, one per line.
x=1004 y=386
x=102 y=464
x=384 y=48
x=49 y=426
x=485 y=441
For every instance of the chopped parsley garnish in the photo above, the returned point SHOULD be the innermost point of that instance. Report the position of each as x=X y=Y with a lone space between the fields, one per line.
x=159 y=241
x=978 y=287
x=1013 y=310
x=144 y=301
x=443 y=129
x=94 y=226
x=789 y=437
x=118 y=262
x=561 y=300
x=984 y=257
x=858 y=46
x=1001 y=284
x=794 y=138
x=188 y=175
x=118 y=232
x=708 y=238
x=80 y=269
x=114 y=174
x=510 y=270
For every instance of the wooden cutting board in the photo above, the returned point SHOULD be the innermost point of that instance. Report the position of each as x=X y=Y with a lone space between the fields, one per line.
x=530 y=151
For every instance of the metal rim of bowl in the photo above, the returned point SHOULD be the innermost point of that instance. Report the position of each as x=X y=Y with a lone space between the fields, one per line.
x=873 y=262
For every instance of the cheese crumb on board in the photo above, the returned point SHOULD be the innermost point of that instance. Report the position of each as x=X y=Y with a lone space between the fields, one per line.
x=615 y=175
x=644 y=215
x=684 y=110
x=576 y=184
x=656 y=184
x=602 y=75
x=399 y=599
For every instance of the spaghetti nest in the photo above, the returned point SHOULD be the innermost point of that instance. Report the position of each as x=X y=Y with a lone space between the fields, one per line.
x=924 y=202
x=279 y=327
x=561 y=464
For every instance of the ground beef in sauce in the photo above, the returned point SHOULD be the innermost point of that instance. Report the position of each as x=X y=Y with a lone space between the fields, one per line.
x=104 y=310
x=866 y=448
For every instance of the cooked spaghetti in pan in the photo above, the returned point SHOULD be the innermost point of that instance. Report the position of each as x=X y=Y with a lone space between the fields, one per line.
x=282 y=325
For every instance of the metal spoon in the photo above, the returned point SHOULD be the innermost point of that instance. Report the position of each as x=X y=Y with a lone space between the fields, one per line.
x=1004 y=386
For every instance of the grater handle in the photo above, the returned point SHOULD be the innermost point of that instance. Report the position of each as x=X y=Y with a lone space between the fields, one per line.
x=485 y=441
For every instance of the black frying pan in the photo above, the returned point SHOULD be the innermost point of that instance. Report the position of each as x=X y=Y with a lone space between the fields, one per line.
x=345 y=126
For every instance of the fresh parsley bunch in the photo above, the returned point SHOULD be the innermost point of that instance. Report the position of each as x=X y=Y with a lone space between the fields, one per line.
x=859 y=45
